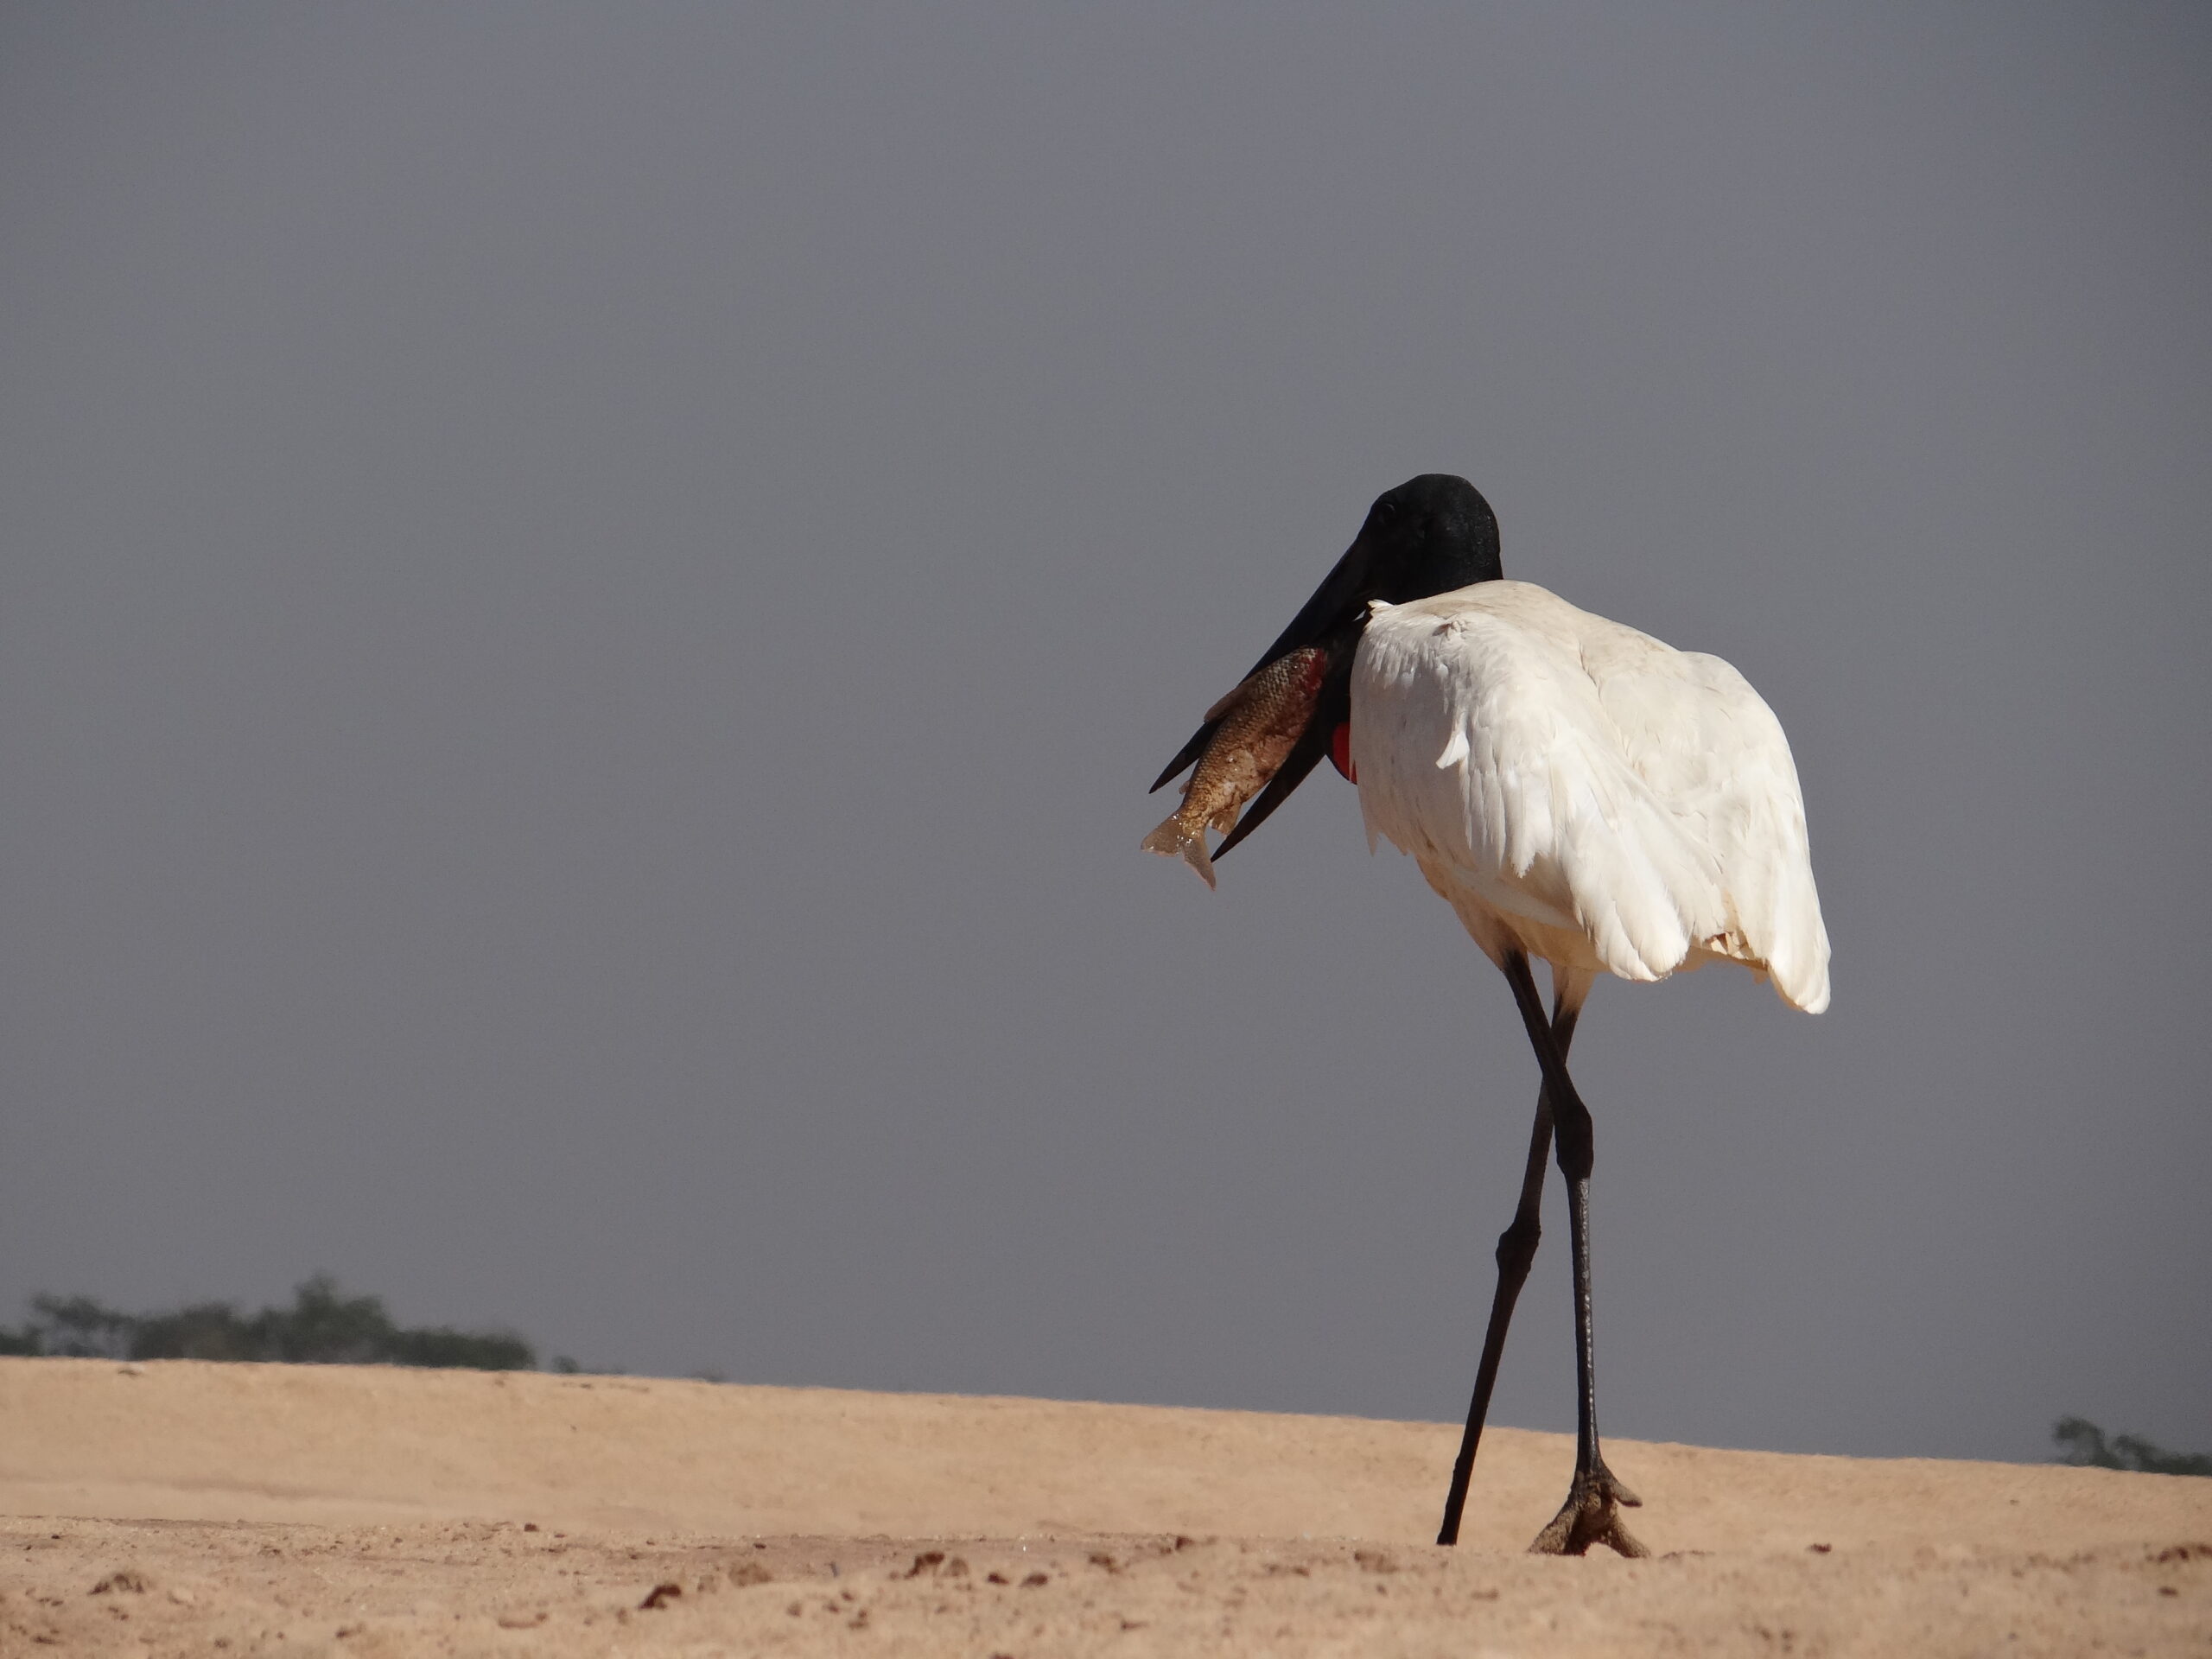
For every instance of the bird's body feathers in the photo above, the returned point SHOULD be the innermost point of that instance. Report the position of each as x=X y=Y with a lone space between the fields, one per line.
x=1584 y=793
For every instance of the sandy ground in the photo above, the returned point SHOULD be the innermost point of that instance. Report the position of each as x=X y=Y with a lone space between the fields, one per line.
x=190 y=1509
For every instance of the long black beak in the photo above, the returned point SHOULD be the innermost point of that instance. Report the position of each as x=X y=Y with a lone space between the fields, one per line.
x=1332 y=619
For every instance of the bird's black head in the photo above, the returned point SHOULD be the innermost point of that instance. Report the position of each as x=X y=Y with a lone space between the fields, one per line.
x=1431 y=535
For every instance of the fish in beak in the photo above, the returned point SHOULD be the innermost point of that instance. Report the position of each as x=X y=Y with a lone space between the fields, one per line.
x=1257 y=727
x=1431 y=535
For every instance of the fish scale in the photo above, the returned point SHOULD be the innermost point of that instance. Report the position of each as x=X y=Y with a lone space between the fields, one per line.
x=1261 y=722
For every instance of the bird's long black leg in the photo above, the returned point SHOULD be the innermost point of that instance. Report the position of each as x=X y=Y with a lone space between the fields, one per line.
x=1516 y=1249
x=1590 y=1514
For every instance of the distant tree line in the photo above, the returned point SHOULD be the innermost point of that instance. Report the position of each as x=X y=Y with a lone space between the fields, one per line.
x=323 y=1326
x=2081 y=1442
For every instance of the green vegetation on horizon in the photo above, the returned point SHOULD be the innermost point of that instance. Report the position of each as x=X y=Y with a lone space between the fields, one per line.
x=323 y=1326
x=2085 y=1446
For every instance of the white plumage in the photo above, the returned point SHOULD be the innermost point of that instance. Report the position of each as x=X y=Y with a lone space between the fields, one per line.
x=1584 y=793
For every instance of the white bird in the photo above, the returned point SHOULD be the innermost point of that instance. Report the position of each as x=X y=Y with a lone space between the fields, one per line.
x=1580 y=794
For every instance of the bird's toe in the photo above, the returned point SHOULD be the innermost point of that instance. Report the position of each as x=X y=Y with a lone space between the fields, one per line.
x=1591 y=1515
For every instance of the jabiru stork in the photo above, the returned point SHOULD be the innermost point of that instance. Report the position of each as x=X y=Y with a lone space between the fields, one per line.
x=1580 y=794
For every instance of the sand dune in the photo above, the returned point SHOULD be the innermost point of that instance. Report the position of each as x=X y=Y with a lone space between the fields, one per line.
x=197 y=1509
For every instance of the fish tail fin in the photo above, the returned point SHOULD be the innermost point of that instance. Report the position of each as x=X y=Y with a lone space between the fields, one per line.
x=1171 y=840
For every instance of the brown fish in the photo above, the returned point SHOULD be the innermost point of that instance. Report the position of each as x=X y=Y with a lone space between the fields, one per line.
x=1261 y=722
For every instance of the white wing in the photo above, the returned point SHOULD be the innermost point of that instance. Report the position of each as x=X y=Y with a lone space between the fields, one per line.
x=1584 y=792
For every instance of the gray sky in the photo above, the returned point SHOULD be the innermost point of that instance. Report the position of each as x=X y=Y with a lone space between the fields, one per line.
x=588 y=596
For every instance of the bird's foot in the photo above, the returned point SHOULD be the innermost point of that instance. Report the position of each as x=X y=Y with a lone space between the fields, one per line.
x=1591 y=1515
